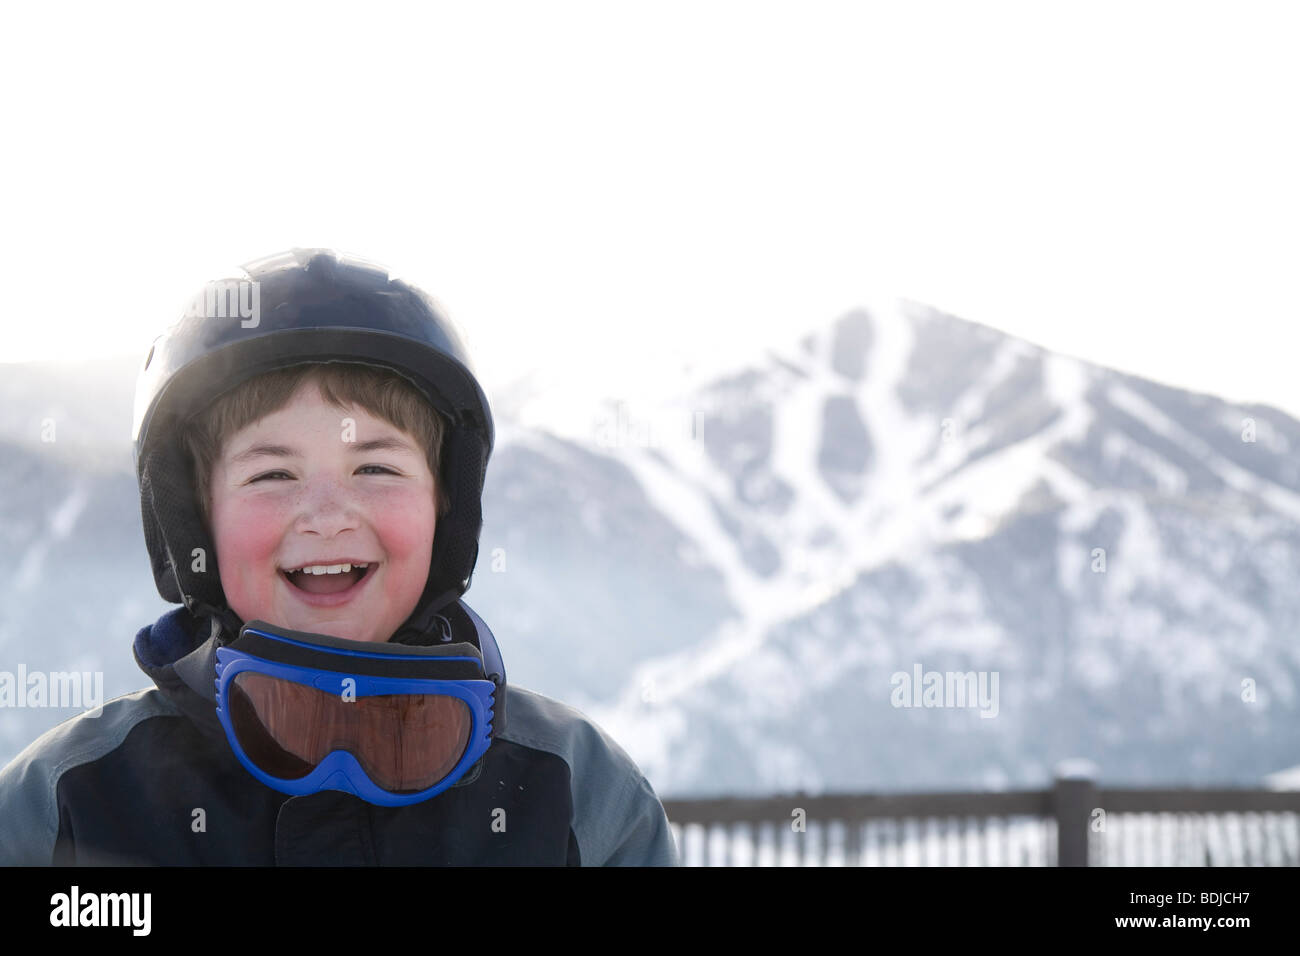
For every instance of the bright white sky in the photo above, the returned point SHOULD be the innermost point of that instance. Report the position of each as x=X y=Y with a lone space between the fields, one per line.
x=606 y=189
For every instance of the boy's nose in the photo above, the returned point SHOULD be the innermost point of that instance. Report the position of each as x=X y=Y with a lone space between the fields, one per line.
x=326 y=508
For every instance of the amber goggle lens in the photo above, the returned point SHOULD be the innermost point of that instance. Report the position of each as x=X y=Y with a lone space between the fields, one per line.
x=404 y=742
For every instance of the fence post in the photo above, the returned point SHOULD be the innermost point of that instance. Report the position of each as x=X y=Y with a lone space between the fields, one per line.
x=852 y=841
x=1075 y=797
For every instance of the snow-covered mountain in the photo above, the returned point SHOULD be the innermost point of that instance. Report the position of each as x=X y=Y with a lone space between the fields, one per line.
x=732 y=581
x=909 y=490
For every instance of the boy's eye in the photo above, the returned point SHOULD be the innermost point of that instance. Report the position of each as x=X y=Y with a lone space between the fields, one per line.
x=271 y=474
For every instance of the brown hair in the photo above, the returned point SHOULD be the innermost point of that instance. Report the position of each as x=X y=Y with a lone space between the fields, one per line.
x=382 y=393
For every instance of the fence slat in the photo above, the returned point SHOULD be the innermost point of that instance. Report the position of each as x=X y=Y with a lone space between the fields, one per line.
x=853 y=842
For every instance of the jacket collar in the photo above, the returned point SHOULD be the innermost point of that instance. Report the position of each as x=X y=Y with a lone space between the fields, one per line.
x=178 y=653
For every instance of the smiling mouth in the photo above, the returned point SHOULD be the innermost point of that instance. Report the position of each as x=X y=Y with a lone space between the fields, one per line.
x=326 y=583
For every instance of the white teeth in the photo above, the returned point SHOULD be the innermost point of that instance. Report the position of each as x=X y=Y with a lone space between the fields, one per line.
x=328 y=568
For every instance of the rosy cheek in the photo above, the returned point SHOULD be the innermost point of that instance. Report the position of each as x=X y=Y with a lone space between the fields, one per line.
x=420 y=522
x=406 y=530
x=246 y=535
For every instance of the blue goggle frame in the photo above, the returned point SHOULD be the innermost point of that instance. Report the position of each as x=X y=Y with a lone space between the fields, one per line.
x=340 y=770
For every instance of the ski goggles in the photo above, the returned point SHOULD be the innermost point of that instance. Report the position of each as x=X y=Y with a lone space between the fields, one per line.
x=392 y=724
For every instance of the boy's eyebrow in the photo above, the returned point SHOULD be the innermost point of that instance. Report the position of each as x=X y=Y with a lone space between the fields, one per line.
x=269 y=450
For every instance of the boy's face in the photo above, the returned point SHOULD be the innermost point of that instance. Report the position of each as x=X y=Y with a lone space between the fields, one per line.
x=315 y=492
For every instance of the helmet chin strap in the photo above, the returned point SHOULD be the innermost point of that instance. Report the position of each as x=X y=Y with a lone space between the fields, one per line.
x=426 y=625
x=224 y=622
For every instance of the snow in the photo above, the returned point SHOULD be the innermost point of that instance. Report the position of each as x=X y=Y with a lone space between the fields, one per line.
x=1276 y=497
x=1288 y=779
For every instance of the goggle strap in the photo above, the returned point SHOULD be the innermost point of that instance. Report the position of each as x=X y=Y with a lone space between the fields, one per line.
x=493 y=666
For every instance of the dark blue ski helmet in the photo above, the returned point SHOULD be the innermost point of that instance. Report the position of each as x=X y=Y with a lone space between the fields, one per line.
x=303 y=306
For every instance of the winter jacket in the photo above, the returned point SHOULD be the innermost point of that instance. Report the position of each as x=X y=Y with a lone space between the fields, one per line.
x=153 y=780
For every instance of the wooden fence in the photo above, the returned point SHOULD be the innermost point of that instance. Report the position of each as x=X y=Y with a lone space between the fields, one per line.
x=1075 y=823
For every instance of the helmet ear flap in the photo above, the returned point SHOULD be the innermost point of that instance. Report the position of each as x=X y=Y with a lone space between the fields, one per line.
x=455 y=542
x=167 y=501
x=159 y=556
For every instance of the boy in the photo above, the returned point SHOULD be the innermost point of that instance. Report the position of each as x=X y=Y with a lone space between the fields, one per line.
x=311 y=464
